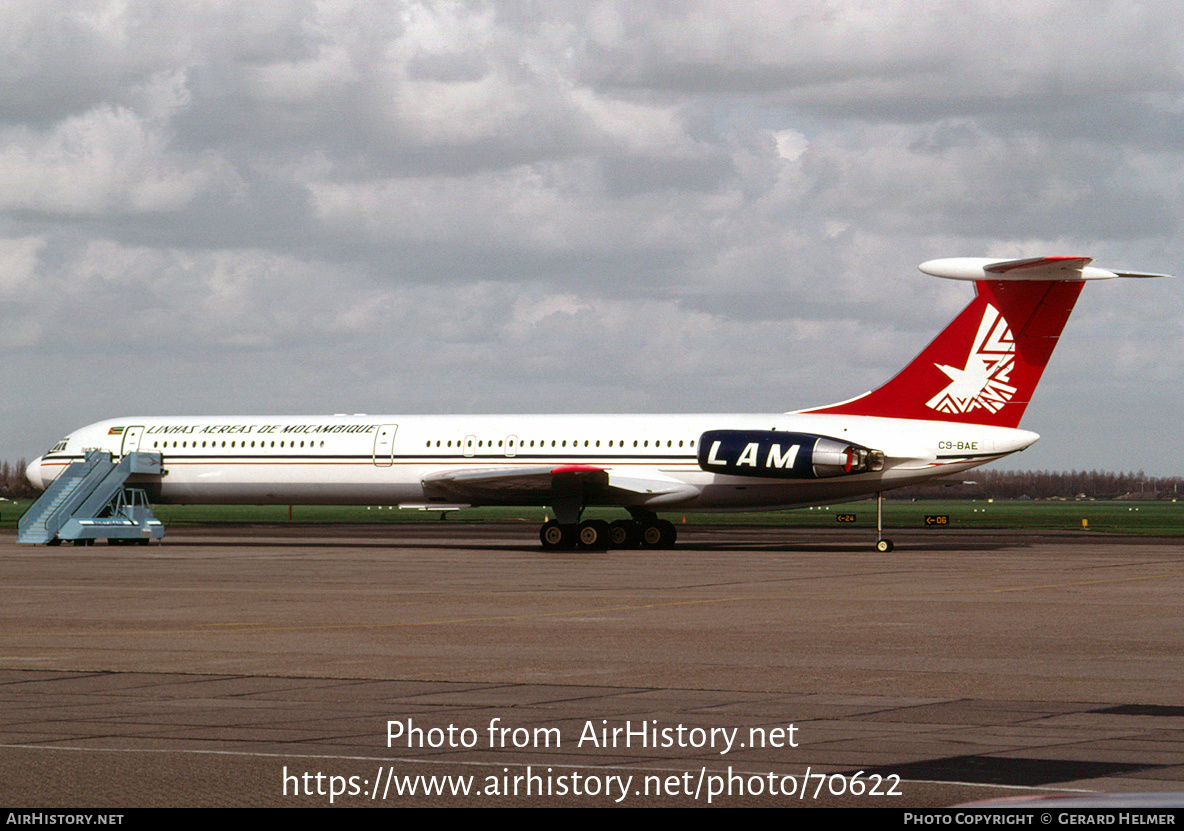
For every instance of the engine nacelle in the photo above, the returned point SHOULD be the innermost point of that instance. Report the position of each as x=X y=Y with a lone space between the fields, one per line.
x=782 y=455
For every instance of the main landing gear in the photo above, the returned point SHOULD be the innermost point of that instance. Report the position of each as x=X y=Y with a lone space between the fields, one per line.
x=598 y=535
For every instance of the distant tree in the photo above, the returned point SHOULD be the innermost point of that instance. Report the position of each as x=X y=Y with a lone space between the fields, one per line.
x=1045 y=484
x=13 y=483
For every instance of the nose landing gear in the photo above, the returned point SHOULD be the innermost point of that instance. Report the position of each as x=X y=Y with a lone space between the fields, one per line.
x=882 y=545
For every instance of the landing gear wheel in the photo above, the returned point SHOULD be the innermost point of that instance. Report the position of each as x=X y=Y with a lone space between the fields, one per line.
x=594 y=534
x=554 y=536
x=884 y=546
x=658 y=534
x=669 y=533
x=651 y=535
x=624 y=533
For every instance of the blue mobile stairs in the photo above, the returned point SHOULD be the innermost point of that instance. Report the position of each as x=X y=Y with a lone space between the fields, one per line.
x=89 y=500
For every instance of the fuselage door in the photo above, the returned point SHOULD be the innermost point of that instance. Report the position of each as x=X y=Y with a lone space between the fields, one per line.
x=131 y=440
x=511 y=446
x=384 y=445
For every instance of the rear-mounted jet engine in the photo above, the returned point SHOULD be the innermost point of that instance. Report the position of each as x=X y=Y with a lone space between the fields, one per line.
x=782 y=455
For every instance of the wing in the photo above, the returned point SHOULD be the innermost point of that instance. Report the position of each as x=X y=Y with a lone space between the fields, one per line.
x=543 y=484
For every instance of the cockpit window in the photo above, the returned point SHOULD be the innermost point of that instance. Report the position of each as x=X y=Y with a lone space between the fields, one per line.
x=59 y=447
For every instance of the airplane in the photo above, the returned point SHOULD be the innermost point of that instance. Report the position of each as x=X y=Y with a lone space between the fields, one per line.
x=956 y=406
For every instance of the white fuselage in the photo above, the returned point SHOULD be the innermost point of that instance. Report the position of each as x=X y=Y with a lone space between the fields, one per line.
x=384 y=459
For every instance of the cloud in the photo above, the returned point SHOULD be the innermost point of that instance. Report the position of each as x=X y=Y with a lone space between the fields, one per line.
x=598 y=205
x=104 y=161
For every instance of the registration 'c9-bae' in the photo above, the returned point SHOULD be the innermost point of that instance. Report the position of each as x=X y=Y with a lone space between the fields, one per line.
x=955 y=406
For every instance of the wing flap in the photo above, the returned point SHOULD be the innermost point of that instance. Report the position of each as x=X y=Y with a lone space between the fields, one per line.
x=542 y=484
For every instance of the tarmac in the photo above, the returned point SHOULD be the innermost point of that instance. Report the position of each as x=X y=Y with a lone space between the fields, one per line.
x=293 y=665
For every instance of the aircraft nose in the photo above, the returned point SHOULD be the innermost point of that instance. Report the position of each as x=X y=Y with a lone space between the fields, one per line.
x=33 y=474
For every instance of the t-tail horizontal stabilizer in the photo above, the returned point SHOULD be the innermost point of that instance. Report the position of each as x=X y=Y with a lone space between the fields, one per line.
x=1033 y=268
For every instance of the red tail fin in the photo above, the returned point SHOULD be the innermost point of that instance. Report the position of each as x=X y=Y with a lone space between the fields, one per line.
x=984 y=367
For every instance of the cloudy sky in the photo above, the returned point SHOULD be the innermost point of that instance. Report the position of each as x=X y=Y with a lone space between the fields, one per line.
x=397 y=207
